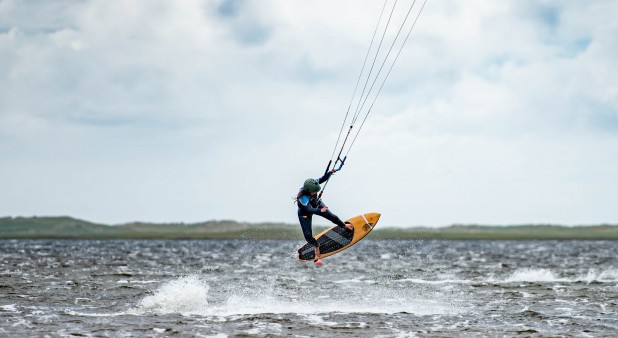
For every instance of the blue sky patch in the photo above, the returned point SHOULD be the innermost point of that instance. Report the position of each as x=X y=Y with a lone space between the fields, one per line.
x=229 y=8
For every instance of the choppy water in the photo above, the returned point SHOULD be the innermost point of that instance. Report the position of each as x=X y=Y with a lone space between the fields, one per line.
x=377 y=288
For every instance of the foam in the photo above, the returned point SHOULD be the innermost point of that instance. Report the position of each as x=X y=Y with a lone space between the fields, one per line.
x=84 y=314
x=370 y=304
x=401 y=334
x=318 y=320
x=546 y=275
x=125 y=281
x=355 y=280
x=443 y=281
x=22 y=322
x=189 y=295
x=534 y=275
x=10 y=308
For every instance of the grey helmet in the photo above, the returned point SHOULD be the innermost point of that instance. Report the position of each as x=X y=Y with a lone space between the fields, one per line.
x=311 y=185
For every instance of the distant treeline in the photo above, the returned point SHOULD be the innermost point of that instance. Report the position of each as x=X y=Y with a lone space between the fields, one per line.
x=71 y=228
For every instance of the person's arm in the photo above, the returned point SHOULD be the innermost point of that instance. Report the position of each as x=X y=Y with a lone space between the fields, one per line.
x=326 y=176
x=303 y=203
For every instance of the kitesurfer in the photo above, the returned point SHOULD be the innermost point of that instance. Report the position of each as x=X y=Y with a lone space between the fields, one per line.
x=309 y=204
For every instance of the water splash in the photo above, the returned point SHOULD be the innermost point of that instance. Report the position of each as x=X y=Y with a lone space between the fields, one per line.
x=189 y=295
x=610 y=275
x=186 y=295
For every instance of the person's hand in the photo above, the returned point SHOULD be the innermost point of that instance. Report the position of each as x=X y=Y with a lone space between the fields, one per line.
x=334 y=170
x=324 y=209
x=349 y=226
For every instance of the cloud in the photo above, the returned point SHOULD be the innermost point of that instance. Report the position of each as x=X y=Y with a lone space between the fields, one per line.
x=499 y=112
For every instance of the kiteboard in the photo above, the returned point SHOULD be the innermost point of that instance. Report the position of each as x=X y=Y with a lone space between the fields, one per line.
x=337 y=239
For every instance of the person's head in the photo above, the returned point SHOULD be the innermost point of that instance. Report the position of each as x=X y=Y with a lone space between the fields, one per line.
x=311 y=186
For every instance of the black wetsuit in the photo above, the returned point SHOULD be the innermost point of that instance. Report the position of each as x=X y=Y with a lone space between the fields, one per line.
x=309 y=205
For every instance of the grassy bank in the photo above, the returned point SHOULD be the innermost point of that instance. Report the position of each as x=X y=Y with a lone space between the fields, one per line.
x=71 y=228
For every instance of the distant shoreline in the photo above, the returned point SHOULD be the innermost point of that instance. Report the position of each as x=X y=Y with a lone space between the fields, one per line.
x=70 y=228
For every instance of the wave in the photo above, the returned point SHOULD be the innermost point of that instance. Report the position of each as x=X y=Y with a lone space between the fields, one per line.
x=533 y=275
x=189 y=295
x=604 y=276
x=439 y=281
x=546 y=275
x=9 y=308
x=525 y=275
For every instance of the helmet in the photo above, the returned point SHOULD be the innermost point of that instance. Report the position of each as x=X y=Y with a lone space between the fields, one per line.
x=311 y=185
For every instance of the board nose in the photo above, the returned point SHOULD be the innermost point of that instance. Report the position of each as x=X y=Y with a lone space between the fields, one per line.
x=372 y=217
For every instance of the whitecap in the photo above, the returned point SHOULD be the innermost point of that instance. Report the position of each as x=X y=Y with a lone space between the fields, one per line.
x=318 y=320
x=10 y=308
x=444 y=281
x=534 y=275
x=610 y=275
x=84 y=314
x=355 y=280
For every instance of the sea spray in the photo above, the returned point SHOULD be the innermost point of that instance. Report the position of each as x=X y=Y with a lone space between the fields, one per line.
x=189 y=295
x=185 y=295
x=609 y=275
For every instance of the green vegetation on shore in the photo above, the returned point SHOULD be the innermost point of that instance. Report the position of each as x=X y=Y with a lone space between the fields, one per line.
x=71 y=228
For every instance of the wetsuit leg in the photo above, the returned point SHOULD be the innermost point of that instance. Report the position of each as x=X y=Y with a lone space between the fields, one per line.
x=305 y=224
x=331 y=217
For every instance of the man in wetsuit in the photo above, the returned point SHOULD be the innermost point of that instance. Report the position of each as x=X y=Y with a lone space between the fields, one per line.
x=309 y=205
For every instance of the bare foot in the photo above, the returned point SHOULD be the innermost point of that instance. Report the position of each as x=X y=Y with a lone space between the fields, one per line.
x=317 y=252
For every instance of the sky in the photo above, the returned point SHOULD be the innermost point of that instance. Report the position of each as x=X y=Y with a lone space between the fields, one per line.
x=496 y=112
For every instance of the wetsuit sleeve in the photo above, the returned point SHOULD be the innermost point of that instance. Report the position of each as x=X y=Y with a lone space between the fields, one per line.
x=325 y=177
x=333 y=218
x=303 y=204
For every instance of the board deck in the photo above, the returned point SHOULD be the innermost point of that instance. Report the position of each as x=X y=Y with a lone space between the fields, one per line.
x=336 y=238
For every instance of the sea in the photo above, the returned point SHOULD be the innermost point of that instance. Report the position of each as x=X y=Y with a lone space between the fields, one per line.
x=255 y=288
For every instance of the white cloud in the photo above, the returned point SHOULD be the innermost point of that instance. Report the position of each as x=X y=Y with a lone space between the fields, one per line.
x=499 y=112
